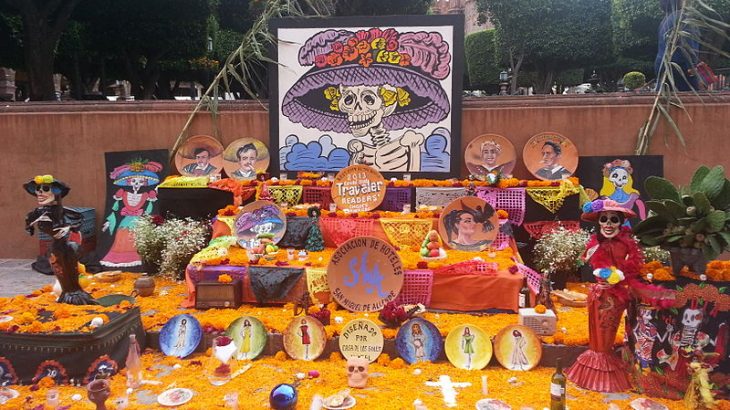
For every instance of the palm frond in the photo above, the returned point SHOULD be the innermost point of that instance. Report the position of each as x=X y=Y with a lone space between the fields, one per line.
x=242 y=64
x=694 y=19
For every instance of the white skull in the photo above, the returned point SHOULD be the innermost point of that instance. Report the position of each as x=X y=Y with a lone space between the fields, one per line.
x=357 y=372
x=364 y=107
x=692 y=318
x=610 y=223
x=646 y=315
x=136 y=183
x=619 y=177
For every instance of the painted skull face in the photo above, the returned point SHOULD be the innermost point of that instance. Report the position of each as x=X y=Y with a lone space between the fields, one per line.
x=357 y=372
x=610 y=223
x=646 y=315
x=619 y=177
x=364 y=108
x=136 y=183
x=692 y=318
x=44 y=194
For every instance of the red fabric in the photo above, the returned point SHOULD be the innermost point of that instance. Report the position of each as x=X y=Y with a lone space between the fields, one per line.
x=476 y=292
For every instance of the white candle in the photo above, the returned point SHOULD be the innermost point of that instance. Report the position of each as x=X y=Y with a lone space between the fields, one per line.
x=485 y=387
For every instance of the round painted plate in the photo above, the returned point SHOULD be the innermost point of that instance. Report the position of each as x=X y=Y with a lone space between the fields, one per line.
x=550 y=156
x=517 y=347
x=246 y=157
x=249 y=335
x=418 y=340
x=490 y=153
x=468 y=347
x=200 y=156
x=361 y=338
x=468 y=224
x=5 y=318
x=492 y=404
x=305 y=338
x=358 y=188
x=175 y=397
x=180 y=336
x=7 y=394
x=259 y=217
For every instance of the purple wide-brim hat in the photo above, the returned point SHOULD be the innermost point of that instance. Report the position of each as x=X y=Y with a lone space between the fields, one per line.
x=305 y=102
x=429 y=62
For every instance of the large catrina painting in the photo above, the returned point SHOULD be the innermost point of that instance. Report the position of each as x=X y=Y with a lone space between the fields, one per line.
x=380 y=91
x=132 y=179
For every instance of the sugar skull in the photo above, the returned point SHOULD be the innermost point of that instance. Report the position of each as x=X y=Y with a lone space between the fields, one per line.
x=610 y=223
x=357 y=372
x=619 y=177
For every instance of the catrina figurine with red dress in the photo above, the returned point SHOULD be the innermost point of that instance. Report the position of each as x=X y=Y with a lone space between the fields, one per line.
x=61 y=224
x=616 y=258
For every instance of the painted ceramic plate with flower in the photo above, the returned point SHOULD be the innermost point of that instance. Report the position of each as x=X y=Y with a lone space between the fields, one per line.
x=180 y=336
x=550 y=156
x=469 y=224
x=259 y=224
x=517 y=347
x=304 y=338
x=468 y=347
x=249 y=335
x=200 y=156
x=418 y=340
x=175 y=397
x=245 y=158
x=490 y=154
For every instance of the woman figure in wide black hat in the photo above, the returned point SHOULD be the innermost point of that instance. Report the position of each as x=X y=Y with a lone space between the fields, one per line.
x=61 y=224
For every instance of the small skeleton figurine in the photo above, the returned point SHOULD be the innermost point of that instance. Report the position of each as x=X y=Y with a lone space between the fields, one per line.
x=62 y=224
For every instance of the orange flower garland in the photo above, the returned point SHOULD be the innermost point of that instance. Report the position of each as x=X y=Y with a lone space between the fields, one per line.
x=225 y=278
x=717 y=271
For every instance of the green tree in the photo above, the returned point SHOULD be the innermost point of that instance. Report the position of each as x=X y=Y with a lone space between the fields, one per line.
x=381 y=7
x=551 y=35
x=43 y=23
x=148 y=38
x=481 y=60
x=11 y=34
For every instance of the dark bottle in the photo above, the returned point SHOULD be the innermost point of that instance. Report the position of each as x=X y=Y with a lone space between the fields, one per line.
x=524 y=301
x=557 y=389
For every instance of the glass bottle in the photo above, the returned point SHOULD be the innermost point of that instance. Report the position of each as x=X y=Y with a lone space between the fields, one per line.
x=220 y=362
x=134 y=363
x=524 y=301
x=557 y=388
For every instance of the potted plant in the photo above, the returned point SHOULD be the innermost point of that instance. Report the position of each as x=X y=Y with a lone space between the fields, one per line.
x=692 y=222
x=634 y=80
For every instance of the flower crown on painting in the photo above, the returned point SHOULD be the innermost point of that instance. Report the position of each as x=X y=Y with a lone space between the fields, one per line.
x=617 y=163
x=138 y=168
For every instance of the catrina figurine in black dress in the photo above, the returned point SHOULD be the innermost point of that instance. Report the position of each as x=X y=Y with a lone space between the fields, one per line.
x=61 y=224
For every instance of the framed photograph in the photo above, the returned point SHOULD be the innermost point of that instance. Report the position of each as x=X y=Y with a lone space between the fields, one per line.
x=377 y=91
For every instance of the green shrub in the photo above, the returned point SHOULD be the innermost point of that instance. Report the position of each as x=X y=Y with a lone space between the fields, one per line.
x=481 y=62
x=634 y=80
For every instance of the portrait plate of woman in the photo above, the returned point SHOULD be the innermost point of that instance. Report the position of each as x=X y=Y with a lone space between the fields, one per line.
x=468 y=347
x=418 y=340
x=245 y=158
x=550 y=156
x=249 y=335
x=305 y=338
x=490 y=153
x=259 y=219
x=517 y=347
x=468 y=224
x=180 y=336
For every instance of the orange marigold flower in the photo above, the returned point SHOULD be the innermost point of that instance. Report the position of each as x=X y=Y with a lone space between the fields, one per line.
x=225 y=278
x=335 y=357
x=540 y=309
x=46 y=382
x=397 y=363
x=502 y=214
x=384 y=359
x=280 y=356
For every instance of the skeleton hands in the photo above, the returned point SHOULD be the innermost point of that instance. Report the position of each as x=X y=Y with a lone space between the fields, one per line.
x=59 y=233
x=412 y=140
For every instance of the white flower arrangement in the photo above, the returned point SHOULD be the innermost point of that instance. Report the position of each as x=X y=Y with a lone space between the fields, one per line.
x=169 y=244
x=560 y=250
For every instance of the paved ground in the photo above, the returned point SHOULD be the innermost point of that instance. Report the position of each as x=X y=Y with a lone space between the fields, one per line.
x=17 y=277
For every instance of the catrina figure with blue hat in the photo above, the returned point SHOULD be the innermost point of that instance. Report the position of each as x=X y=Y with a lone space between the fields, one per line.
x=61 y=224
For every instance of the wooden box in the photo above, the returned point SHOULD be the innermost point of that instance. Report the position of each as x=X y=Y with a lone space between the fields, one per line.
x=543 y=324
x=218 y=295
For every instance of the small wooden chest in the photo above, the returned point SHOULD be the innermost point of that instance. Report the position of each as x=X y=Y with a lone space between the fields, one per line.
x=218 y=295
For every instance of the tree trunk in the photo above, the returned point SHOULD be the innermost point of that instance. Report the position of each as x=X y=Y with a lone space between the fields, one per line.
x=77 y=84
x=515 y=66
x=545 y=75
x=39 y=63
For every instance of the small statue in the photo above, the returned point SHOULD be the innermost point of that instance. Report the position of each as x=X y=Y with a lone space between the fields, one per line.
x=61 y=224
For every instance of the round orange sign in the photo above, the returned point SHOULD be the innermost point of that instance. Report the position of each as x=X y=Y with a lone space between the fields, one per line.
x=358 y=188
x=550 y=156
x=364 y=274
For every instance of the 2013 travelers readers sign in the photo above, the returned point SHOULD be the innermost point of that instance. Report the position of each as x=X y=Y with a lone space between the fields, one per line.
x=364 y=274
x=358 y=188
